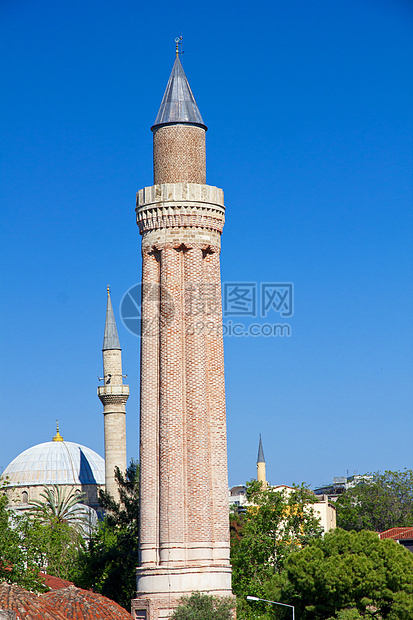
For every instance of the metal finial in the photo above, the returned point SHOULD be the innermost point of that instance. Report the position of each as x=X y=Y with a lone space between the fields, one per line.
x=108 y=289
x=178 y=42
x=58 y=436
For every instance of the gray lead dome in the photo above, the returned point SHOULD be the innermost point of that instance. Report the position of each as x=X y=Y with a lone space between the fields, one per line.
x=56 y=462
x=178 y=103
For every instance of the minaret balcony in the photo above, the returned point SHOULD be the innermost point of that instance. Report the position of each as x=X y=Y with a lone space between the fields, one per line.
x=110 y=394
x=180 y=206
x=113 y=389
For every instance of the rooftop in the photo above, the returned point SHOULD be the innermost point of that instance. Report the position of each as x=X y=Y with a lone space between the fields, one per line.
x=27 y=605
x=398 y=533
x=77 y=604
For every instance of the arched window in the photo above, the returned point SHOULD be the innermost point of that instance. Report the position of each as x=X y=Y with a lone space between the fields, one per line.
x=25 y=497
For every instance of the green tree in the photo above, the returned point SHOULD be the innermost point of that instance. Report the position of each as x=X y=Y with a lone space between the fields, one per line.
x=124 y=513
x=54 y=531
x=278 y=523
x=347 y=614
x=19 y=563
x=204 y=607
x=29 y=545
x=60 y=506
x=109 y=564
x=60 y=544
x=378 y=502
x=350 y=575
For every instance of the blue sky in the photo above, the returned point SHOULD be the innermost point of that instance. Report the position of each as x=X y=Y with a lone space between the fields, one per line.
x=309 y=109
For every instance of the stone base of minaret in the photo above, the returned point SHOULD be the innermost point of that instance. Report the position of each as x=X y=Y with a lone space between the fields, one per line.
x=162 y=589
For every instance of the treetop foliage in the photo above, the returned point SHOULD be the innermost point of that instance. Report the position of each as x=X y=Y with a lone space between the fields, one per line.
x=204 y=607
x=350 y=573
x=29 y=545
x=16 y=565
x=109 y=565
x=378 y=502
x=124 y=513
x=278 y=523
x=59 y=506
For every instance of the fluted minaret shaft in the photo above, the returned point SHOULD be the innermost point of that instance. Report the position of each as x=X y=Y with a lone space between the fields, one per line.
x=184 y=530
x=113 y=395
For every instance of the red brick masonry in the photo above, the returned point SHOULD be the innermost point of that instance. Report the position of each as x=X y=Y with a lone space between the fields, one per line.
x=184 y=530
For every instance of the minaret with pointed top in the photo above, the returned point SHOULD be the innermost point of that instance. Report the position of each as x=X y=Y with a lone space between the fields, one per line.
x=113 y=395
x=184 y=525
x=261 y=465
x=179 y=134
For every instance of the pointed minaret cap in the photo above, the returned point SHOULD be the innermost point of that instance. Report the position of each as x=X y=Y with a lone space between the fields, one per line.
x=178 y=103
x=111 y=338
x=260 y=457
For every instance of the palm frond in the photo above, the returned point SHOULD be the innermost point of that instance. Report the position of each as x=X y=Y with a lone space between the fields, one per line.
x=59 y=504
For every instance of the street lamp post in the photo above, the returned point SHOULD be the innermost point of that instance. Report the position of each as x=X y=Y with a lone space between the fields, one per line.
x=264 y=600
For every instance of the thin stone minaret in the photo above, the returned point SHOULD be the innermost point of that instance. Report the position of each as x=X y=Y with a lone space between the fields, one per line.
x=184 y=531
x=261 y=477
x=113 y=395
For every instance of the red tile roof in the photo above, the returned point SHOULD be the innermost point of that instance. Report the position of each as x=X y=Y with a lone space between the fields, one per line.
x=77 y=604
x=27 y=605
x=55 y=583
x=398 y=533
x=51 y=582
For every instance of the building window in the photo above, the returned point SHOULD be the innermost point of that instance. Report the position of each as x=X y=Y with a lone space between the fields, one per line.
x=25 y=497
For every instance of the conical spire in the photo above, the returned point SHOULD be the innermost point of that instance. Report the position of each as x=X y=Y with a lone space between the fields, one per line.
x=178 y=103
x=260 y=457
x=111 y=338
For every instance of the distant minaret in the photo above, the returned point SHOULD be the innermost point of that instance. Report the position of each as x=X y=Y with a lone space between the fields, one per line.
x=261 y=465
x=113 y=395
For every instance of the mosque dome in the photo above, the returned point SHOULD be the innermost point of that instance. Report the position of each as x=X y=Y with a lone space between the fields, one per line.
x=56 y=462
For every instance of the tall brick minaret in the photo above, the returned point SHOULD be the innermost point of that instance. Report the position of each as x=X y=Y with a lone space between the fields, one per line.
x=113 y=395
x=184 y=532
